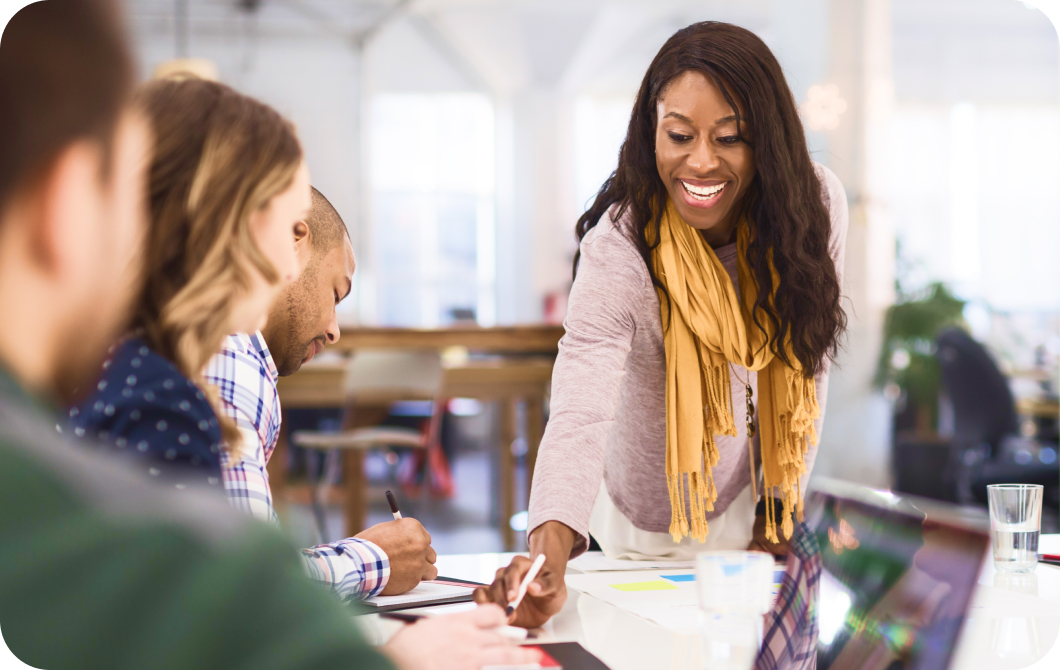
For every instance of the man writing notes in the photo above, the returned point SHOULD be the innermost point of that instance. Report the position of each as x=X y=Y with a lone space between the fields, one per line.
x=389 y=558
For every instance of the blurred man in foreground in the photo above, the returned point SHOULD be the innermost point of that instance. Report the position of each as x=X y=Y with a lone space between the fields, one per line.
x=97 y=569
x=388 y=558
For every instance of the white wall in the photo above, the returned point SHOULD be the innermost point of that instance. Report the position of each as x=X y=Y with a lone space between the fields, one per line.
x=972 y=163
x=308 y=74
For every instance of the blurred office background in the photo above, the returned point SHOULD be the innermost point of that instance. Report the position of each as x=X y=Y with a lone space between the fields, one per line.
x=461 y=139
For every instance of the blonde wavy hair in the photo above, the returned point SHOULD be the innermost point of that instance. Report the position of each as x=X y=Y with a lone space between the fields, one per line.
x=219 y=157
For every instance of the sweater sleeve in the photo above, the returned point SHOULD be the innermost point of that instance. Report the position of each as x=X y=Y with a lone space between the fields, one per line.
x=611 y=281
x=836 y=200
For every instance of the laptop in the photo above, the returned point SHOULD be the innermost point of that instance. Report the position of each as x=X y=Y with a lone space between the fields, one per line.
x=898 y=574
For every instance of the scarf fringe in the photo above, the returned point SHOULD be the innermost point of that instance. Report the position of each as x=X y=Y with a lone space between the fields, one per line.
x=701 y=496
x=718 y=394
x=701 y=492
x=802 y=394
x=795 y=433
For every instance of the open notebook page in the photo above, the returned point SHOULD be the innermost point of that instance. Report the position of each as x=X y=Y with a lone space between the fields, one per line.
x=425 y=592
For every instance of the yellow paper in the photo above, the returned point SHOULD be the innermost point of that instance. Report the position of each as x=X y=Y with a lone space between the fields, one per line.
x=655 y=585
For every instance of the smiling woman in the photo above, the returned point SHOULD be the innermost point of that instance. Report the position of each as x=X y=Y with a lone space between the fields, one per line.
x=706 y=282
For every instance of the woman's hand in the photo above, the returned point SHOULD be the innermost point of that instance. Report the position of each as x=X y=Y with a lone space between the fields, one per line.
x=759 y=542
x=547 y=594
x=544 y=597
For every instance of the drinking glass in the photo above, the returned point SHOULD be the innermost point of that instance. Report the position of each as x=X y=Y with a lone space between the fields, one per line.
x=1015 y=522
x=735 y=590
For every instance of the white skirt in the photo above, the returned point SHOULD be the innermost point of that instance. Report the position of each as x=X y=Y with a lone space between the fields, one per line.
x=619 y=538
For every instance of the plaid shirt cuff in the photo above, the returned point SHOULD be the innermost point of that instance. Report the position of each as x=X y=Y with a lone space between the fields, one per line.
x=355 y=569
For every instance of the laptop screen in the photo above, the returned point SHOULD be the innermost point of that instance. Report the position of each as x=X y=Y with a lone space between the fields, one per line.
x=895 y=584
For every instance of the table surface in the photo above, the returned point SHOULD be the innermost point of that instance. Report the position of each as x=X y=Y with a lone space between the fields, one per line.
x=1013 y=621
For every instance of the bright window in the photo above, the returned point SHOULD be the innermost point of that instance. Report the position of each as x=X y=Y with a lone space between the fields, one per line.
x=432 y=182
x=600 y=123
x=975 y=202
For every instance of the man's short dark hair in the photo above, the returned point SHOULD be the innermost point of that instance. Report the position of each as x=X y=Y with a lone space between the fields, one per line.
x=65 y=74
x=326 y=229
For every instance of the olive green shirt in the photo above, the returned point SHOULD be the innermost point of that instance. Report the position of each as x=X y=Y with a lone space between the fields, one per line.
x=98 y=569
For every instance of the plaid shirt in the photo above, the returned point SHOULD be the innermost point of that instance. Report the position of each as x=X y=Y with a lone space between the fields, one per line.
x=246 y=375
x=789 y=639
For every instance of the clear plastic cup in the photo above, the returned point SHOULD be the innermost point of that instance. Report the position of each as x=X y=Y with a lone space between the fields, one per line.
x=735 y=589
x=1015 y=523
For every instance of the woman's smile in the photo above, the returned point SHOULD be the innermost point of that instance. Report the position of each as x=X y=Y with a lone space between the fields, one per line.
x=703 y=194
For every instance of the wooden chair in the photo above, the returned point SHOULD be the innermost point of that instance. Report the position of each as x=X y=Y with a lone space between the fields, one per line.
x=375 y=379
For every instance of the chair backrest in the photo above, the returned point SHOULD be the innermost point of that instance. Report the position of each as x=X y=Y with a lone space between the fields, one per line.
x=391 y=375
x=983 y=407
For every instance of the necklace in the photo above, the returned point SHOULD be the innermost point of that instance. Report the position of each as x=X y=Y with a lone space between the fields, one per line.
x=751 y=429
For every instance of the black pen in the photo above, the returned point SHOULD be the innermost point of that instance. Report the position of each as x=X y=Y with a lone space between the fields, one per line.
x=393 y=505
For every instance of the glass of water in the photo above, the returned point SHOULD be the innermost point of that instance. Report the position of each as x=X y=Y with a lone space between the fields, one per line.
x=1015 y=522
x=735 y=590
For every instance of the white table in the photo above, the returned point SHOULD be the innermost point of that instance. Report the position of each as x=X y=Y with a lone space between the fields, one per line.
x=1014 y=619
x=1013 y=623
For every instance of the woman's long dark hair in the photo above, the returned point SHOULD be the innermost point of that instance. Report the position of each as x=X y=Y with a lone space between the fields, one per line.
x=784 y=201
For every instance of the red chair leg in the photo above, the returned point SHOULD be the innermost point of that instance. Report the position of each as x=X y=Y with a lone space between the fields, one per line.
x=440 y=475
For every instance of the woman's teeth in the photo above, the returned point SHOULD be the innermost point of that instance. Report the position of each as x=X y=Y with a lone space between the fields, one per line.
x=703 y=192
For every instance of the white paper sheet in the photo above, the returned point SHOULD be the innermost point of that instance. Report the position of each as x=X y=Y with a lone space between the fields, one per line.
x=595 y=561
x=675 y=609
x=425 y=592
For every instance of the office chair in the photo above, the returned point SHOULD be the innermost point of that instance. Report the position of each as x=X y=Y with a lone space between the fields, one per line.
x=985 y=448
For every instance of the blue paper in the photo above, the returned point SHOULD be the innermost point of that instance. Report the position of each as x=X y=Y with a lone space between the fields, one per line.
x=680 y=578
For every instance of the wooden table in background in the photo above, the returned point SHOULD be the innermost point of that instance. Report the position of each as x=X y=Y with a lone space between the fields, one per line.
x=501 y=340
x=1039 y=408
x=508 y=380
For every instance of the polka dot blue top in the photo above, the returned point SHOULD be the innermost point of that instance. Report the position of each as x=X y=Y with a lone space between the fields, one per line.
x=145 y=407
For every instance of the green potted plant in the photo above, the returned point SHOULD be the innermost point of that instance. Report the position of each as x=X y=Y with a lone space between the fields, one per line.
x=907 y=370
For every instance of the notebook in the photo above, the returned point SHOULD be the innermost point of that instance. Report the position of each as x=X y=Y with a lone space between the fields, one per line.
x=898 y=576
x=441 y=591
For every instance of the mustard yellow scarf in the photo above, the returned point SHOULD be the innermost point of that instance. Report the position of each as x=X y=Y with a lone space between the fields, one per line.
x=707 y=327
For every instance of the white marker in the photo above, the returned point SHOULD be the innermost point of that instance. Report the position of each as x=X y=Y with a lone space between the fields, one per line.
x=530 y=576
